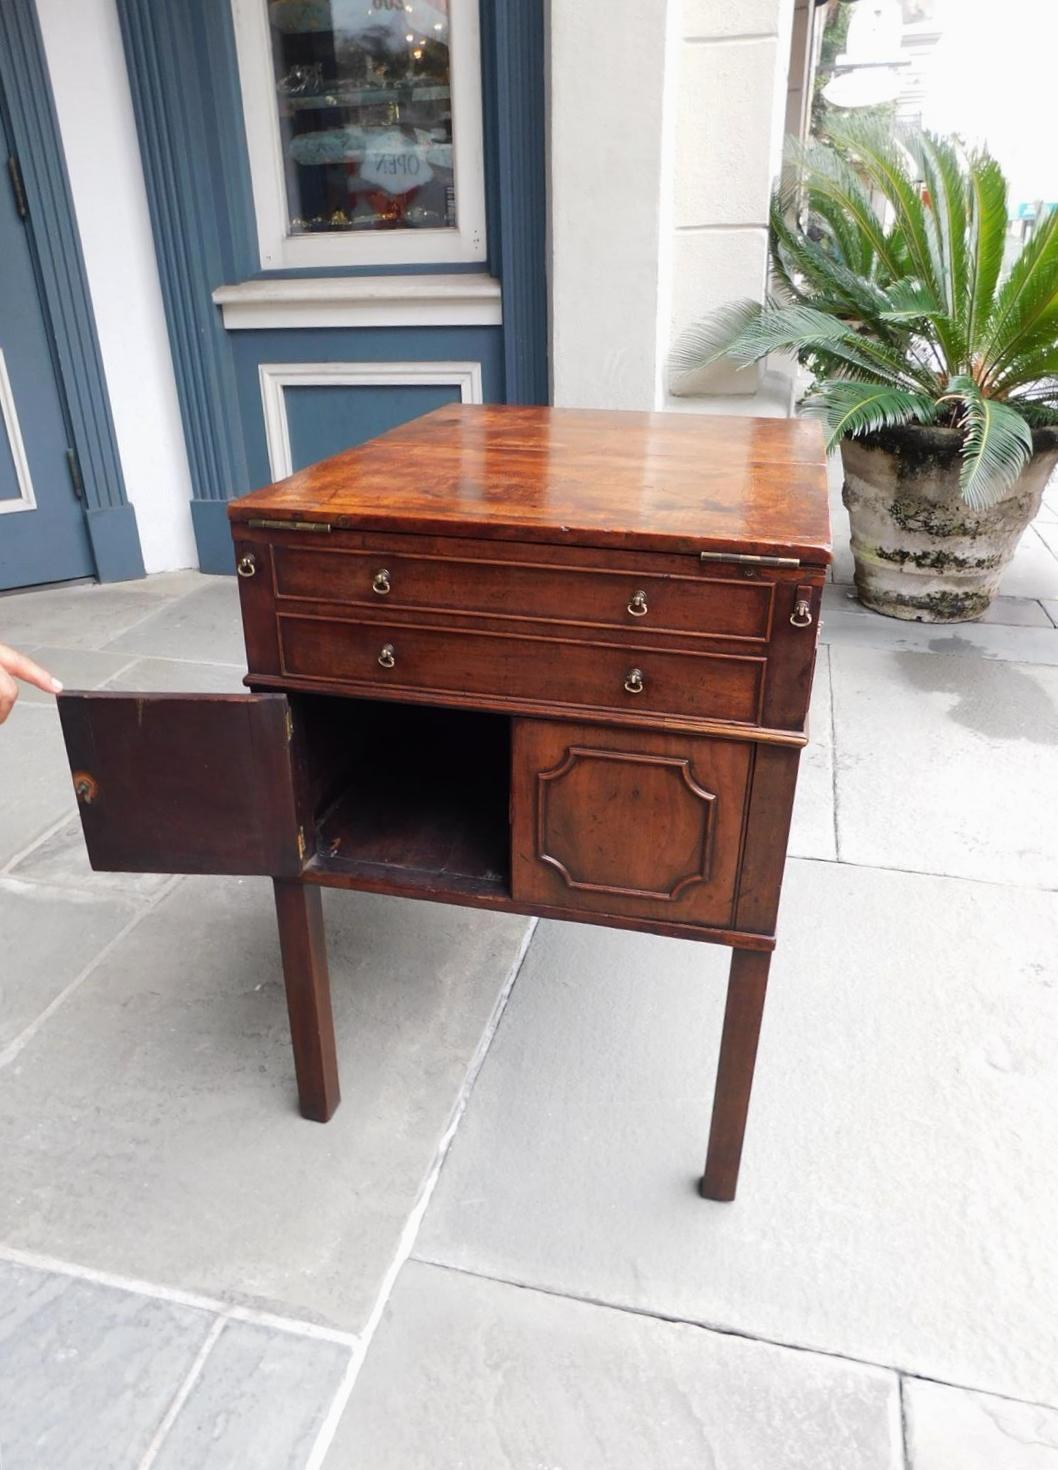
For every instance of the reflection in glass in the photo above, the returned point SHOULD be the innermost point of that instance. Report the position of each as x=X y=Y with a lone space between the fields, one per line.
x=363 y=89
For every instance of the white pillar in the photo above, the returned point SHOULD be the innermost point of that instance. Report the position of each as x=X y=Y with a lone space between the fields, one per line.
x=86 y=62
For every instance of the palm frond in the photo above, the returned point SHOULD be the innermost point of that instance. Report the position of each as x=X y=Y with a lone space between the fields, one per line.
x=826 y=175
x=800 y=329
x=987 y=190
x=709 y=339
x=947 y=217
x=1029 y=292
x=851 y=409
x=997 y=444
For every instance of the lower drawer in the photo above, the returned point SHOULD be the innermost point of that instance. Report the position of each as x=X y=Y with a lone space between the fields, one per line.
x=495 y=666
x=627 y=822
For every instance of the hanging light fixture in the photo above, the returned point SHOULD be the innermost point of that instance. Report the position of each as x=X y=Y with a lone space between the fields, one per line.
x=867 y=71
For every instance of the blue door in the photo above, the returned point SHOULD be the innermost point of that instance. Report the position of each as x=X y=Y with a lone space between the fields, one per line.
x=43 y=535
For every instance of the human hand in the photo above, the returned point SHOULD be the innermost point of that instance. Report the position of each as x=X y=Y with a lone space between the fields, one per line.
x=15 y=666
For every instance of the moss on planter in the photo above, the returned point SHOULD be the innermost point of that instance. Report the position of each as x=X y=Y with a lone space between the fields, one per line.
x=933 y=607
x=933 y=520
x=936 y=560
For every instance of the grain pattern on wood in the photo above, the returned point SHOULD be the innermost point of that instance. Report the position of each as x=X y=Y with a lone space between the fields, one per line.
x=188 y=783
x=746 y=989
x=299 y=911
x=667 y=482
x=641 y=823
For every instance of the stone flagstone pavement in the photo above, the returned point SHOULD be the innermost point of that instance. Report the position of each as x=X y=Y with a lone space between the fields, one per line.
x=494 y=1256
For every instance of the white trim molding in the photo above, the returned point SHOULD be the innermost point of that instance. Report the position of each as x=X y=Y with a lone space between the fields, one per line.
x=278 y=247
x=26 y=499
x=468 y=300
x=277 y=377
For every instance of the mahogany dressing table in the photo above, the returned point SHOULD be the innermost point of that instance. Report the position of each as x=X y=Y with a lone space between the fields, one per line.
x=535 y=660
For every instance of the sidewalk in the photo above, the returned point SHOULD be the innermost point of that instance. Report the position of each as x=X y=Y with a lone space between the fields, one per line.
x=494 y=1256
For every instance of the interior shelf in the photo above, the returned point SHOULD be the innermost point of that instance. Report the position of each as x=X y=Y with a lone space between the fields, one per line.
x=425 y=806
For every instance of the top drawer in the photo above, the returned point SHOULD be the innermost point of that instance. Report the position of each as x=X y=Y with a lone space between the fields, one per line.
x=487 y=586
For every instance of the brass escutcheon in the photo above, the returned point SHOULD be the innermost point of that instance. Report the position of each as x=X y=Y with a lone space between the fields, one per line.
x=247 y=565
x=388 y=656
x=638 y=606
x=381 y=583
x=634 y=682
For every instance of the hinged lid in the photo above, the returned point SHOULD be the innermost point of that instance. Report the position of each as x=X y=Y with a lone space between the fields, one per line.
x=646 y=481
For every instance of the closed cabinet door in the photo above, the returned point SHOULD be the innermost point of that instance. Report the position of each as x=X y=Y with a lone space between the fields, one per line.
x=43 y=536
x=627 y=822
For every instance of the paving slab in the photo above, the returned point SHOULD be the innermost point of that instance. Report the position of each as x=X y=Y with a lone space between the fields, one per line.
x=84 y=616
x=942 y=764
x=87 y=1372
x=952 y=1429
x=173 y=676
x=1033 y=571
x=204 y=626
x=61 y=860
x=151 y=1128
x=980 y=640
x=466 y=1372
x=812 y=832
x=35 y=784
x=895 y=1205
x=48 y=939
x=259 y=1402
x=76 y=668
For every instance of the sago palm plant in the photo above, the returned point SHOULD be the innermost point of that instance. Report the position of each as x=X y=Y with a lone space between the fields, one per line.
x=903 y=313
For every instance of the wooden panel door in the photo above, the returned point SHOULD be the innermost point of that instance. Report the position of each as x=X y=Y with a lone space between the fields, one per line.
x=187 y=783
x=627 y=821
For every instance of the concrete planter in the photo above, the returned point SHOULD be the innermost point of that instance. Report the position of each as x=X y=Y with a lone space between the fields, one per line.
x=921 y=552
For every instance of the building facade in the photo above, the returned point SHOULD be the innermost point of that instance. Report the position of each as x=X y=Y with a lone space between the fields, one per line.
x=243 y=234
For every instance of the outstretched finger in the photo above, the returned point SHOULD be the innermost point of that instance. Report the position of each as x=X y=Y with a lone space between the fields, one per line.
x=21 y=667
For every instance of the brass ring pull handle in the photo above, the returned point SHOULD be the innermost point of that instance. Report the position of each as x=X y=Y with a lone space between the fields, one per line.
x=801 y=617
x=387 y=656
x=638 y=605
x=247 y=565
x=381 y=583
x=634 y=682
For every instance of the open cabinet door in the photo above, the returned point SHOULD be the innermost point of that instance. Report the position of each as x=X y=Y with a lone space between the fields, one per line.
x=186 y=783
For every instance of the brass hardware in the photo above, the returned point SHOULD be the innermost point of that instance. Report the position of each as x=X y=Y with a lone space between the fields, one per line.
x=381 y=584
x=247 y=565
x=301 y=844
x=634 y=682
x=801 y=617
x=85 y=786
x=638 y=606
x=321 y=528
x=289 y=721
x=744 y=559
x=388 y=656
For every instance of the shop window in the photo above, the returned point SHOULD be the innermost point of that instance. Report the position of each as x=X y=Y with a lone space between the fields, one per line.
x=363 y=122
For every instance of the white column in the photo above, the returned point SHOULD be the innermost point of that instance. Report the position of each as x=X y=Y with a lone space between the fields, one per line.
x=86 y=61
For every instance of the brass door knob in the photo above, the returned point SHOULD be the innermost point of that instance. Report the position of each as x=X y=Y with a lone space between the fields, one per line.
x=247 y=565
x=638 y=605
x=801 y=617
x=634 y=681
x=388 y=656
x=381 y=583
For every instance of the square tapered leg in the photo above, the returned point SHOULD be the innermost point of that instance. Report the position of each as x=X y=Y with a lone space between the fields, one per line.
x=746 y=988
x=299 y=910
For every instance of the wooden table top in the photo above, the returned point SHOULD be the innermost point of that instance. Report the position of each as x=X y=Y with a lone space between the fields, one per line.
x=646 y=481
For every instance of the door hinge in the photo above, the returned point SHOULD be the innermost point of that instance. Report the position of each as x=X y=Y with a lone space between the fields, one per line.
x=322 y=528
x=18 y=187
x=290 y=724
x=744 y=559
x=73 y=464
x=301 y=844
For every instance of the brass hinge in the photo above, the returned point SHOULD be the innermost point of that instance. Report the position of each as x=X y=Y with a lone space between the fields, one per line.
x=744 y=559
x=320 y=527
x=73 y=464
x=301 y=844
x=18 y=187
x=290 y=724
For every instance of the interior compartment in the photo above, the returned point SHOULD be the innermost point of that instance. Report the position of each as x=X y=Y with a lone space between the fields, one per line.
x=405 y=794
